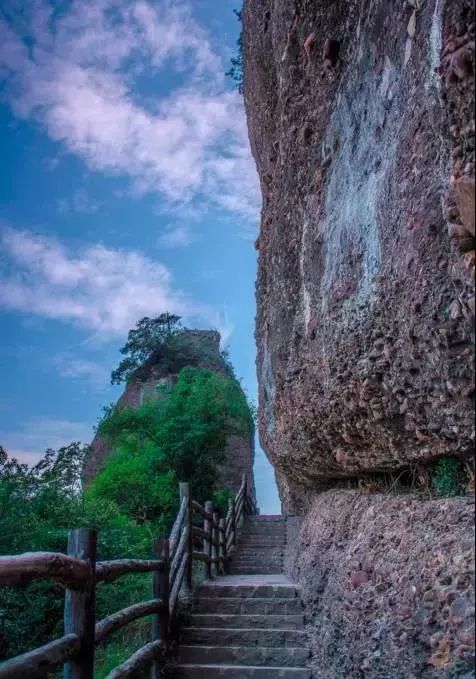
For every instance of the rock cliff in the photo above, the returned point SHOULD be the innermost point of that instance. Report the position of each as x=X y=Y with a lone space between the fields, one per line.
x=202 y=351
x=389 y=585
x=360 y=116
x=360 y=119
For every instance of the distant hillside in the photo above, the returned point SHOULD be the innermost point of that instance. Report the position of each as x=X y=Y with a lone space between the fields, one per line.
x=198 y=349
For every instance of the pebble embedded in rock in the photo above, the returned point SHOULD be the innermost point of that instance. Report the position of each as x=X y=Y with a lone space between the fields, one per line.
x=411 y=28
x=464 y=189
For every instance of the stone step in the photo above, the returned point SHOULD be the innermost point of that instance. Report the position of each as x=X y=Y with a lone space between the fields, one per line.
x=249 y=606
x=263 y=537
x=236 y=672
x=263 y=540
x=257 y=545
x=269 y=526
x=244 y=655
x=272 y=556
x=272 y=570
x=267 y=517
x=269 y=638
x=277 y=528
x=247 y=591
x=263 y=551
x=245 y=558
x=246 y=621
x=276 y=564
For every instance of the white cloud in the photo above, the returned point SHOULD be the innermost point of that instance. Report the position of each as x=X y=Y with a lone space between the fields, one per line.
x=176 y=237
x=75 y=367
x=80 y=201
x=101 y=289
x=29 y=442
x=190 y=145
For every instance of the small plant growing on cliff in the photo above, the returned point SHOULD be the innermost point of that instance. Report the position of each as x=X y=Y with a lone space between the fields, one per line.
x=448 y=476
x=236 y=71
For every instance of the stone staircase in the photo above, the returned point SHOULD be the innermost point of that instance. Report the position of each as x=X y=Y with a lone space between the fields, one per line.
x=249 y=623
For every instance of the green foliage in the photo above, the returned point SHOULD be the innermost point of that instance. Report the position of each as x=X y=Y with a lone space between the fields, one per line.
x=221 y=499
x=448 y=476
x=37 y=506
x=37 y=502
x=180 y=436
x=110 y=656
x=147 y=337
x=236 y=71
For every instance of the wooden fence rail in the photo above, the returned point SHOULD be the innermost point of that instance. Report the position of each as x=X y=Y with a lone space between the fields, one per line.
x=210 y=543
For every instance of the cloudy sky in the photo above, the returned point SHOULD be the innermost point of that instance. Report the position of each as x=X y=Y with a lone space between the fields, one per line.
x=126 y=189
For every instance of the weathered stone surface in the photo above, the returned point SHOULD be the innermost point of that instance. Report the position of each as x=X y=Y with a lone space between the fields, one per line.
x=203 y=352
x=465 y=197
x=388 y=585
x=365 y=304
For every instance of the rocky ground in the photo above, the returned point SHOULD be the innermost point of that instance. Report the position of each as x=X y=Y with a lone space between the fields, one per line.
x=388 y=584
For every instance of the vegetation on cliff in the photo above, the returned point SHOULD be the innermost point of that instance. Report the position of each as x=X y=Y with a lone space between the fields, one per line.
x=236 y=71
x=180 y=436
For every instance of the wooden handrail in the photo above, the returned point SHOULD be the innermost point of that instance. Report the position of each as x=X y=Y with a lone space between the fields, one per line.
x=178 y=556
x=202 y=511
x=42 y=660
x=116 y=621
x=177 y=527
x=24 y=568
x=177 y=585
x=200 y=556
x=107 y=571
x=139 y=660
x=199 y=533
x=80 y=573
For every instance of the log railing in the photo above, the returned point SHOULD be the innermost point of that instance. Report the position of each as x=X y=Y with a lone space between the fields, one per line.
x=198 y=534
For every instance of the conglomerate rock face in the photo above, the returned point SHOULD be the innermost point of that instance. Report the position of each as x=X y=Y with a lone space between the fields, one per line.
x=202 y=351
x=389 y=585
x=360 y=117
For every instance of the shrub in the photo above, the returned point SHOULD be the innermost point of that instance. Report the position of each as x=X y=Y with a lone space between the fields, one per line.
x=448 y=475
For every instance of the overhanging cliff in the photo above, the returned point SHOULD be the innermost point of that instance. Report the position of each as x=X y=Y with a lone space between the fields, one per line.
x=360 y=119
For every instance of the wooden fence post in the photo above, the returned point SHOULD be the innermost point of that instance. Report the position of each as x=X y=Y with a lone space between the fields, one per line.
x=231 y=504
x=224 y=562
x=79 y=606
x=185 y=492
x=160 y=590
x=216 y=540
x=207 y=542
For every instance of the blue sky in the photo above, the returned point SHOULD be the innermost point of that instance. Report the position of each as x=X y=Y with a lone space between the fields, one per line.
x=126 y=189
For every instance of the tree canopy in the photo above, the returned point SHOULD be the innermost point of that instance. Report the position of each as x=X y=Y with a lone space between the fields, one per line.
x=142 y=341
x=181 y=435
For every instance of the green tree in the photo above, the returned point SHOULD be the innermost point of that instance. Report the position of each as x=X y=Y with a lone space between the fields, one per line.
x=146 y=338
x=181 y=436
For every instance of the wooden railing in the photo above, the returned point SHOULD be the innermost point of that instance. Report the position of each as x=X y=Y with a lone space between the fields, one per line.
x=199 y=534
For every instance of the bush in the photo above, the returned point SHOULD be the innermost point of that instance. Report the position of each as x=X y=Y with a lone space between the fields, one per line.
x=221 y=499
x=448 y=476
